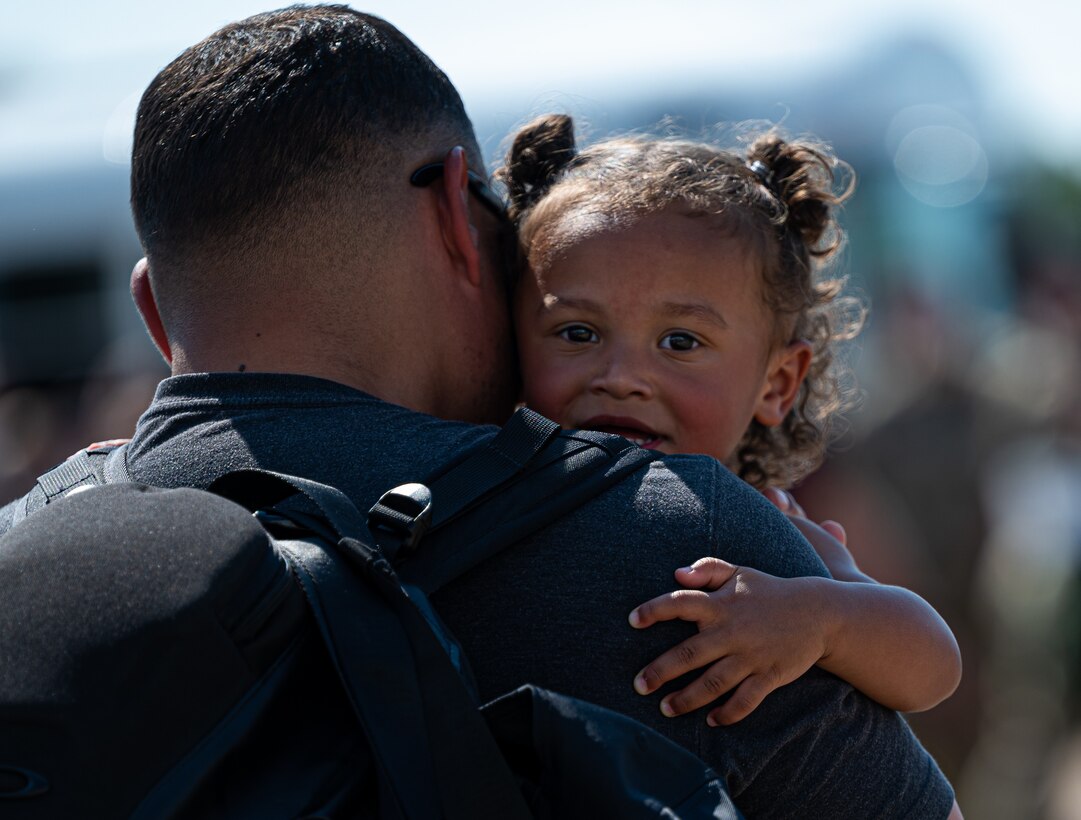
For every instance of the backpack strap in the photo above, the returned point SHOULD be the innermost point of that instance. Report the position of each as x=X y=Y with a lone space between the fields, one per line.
x=404 y=514
x=114 y=469
x=420 y=719
x=401 y=682
x=292 y=504
x=87 y=468
x=511 y=451
x=473 y=519
x=320 y=508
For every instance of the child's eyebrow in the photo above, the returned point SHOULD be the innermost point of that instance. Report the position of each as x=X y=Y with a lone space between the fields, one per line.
x=553 y=302
x=696 y=310
x=677 y=310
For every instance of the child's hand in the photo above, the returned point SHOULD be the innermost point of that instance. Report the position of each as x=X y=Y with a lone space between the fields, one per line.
x=756 y=632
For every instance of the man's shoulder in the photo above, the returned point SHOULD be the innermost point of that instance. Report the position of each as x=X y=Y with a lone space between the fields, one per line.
x=696 y=503
x=819 y=746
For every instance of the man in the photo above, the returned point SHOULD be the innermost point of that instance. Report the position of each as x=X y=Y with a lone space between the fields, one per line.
x=323 y=305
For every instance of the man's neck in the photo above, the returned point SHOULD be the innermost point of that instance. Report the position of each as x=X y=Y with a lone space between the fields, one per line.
x=395 y=375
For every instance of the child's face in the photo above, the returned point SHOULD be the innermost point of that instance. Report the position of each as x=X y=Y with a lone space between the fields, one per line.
x=657 y=332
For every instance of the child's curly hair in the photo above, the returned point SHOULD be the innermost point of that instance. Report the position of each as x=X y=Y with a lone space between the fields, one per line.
x=778 y=194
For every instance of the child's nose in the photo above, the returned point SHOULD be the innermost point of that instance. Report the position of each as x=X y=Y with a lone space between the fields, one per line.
x=622 y=376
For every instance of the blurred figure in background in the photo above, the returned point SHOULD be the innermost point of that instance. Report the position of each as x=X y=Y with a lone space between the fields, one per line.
x=977 y=469
x=42 y=423
x=1026 y=761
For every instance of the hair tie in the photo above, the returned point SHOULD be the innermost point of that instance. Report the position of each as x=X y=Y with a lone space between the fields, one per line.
x=759 y=169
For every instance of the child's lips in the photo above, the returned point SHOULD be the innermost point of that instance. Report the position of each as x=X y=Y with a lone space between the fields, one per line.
x=630 y=428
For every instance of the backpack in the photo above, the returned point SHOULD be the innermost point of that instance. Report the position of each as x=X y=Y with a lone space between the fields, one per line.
x=299 y=669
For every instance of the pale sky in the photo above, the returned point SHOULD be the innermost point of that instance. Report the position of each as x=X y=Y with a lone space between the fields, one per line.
x=69 y=77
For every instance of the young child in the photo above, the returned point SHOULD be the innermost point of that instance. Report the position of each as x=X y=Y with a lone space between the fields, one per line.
x=671 y=292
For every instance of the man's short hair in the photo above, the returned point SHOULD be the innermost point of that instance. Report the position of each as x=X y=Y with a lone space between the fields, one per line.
x=274 y=108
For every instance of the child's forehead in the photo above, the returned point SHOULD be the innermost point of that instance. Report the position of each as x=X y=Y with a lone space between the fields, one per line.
x=663 y=262
x=671 y=232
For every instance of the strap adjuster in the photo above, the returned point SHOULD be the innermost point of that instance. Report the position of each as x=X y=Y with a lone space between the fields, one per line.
x=404 y=513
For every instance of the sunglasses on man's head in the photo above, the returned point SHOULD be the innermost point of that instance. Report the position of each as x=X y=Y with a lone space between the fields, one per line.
x=425 y=175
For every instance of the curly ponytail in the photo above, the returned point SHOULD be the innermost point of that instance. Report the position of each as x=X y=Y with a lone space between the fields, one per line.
x=802 y=177
x=541 y=149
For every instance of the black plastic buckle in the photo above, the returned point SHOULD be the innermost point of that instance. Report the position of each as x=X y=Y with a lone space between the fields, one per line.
x=404 y=513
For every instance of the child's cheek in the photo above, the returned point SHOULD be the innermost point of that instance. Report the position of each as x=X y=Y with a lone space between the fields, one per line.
x=536 y=392
x=545 y=388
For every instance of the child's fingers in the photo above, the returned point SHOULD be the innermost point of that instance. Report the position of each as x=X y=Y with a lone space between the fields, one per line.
x=784 y=501
x=721 y=677
x=112 y=442
x=747 y=697
x=794 y=507
x=836 y=530
x=778 y=498
x=683 y=604
x=709 y=573
x=693 y=653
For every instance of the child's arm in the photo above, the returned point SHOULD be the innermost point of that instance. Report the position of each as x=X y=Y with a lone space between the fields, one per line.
x=758 y=632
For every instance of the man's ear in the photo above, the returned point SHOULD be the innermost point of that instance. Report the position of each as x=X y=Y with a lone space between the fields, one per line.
x=785 y=373
x=148 y=308
x=459 y=236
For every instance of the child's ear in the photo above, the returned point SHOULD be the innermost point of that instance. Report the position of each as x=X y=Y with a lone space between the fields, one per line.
x=786 y=371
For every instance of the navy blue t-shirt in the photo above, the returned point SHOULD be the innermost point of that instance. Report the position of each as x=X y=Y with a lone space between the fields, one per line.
x=552 y=610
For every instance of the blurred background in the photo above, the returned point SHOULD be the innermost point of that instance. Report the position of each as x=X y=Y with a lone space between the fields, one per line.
x=960 y=475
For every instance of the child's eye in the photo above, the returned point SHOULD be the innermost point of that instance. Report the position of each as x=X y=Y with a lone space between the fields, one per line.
x=679 y=341
x=579 y=334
